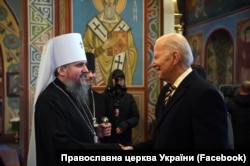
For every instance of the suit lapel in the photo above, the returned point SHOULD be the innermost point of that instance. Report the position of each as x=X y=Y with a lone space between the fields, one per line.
x=174 y=99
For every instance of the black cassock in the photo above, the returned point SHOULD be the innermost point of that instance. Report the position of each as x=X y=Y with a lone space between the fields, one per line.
x=59 y=125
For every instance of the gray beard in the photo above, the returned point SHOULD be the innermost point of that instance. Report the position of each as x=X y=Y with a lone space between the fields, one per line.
x=109 y=12
x=79 y=91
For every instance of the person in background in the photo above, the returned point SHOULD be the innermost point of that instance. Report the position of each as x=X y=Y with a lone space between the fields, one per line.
x=62 y=120
x=190 y=113
x=96 y=102
x=202 y=72
x=239 y=108
x=123 y=111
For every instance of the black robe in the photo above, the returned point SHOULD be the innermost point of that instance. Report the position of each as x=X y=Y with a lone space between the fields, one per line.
x=99 y=104
x=59 y=125
x=101 y=109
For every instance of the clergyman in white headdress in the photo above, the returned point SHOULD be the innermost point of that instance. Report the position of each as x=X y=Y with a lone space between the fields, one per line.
x=61 y=118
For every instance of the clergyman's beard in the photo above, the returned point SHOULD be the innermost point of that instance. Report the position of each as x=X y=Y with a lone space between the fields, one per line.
x=79 y=91
x=109 y=12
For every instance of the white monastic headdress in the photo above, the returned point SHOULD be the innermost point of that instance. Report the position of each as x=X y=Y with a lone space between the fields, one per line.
x=58 y=51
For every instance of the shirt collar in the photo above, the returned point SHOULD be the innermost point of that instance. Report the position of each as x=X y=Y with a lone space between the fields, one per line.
x=181 y=77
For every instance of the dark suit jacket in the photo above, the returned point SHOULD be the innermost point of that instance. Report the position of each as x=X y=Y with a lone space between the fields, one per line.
x=194 y=118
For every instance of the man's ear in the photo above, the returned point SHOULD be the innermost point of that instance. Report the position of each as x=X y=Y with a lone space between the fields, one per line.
x=176 y=57
x=61 y=70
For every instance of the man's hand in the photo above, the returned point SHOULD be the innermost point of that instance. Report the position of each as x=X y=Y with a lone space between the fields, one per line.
x=104 y=130
x=119 y=130
x=126 y=147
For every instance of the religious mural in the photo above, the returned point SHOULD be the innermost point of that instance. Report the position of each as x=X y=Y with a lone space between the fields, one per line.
x=10 y=47
x=114 y=33
x=219 y=58
x=195 y=42
x=202 y=10
x=243 y=50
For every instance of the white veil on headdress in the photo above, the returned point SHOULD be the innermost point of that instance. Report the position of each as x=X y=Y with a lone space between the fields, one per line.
x=58 y=51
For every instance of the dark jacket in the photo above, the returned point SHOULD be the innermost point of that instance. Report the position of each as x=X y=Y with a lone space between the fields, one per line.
x=239 y=108
x=128 y=116
x=194 y=118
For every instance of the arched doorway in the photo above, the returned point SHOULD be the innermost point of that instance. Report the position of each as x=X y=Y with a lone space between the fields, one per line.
x=219 y=57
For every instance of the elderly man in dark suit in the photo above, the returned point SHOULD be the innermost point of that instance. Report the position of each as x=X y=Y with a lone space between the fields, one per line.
x=194 y=117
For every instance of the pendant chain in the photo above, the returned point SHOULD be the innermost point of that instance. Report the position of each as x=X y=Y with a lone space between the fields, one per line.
x=91 y=128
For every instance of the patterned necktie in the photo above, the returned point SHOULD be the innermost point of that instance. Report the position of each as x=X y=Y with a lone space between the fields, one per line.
x=169 y=92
